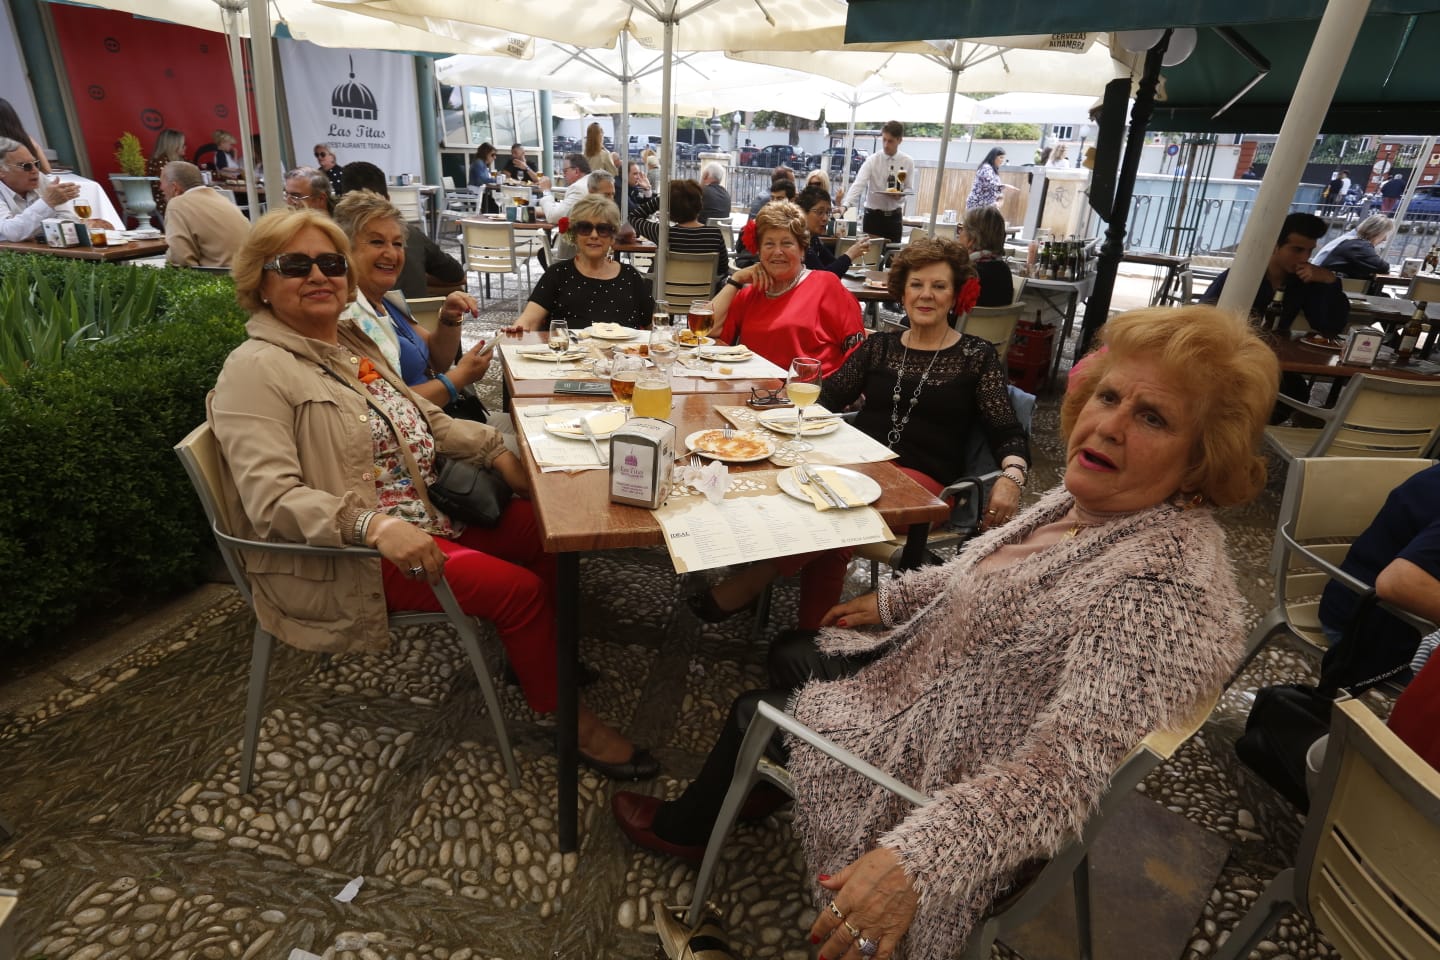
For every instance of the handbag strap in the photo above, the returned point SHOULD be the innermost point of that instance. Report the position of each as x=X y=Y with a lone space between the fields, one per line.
x=411 y=466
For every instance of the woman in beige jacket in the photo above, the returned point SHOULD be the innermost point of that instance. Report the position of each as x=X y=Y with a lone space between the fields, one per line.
x=327 y=446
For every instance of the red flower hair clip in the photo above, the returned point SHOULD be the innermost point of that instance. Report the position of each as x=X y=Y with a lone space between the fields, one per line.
x=747 y=237
x=564 y=225
x=968 y=296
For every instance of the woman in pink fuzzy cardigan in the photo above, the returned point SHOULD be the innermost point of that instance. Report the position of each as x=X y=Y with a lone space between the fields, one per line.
x=1010 y=682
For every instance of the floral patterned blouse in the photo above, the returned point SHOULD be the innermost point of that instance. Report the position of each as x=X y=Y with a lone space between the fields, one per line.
x=393 y=485
x=986 y=190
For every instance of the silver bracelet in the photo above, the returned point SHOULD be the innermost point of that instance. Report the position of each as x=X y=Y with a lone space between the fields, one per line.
x=1019 y=480
x=362 y=526
x=882 y=605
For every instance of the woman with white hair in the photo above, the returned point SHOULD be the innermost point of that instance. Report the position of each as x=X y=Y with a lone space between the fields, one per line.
x=1355 y=254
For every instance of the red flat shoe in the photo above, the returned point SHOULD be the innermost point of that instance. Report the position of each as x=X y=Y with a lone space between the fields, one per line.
x=635 y=812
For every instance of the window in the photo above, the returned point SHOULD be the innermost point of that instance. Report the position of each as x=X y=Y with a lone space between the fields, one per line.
x=477 y=115
x=502 y=116
x=452 y=115
x=527 y=123
x=1059 y=132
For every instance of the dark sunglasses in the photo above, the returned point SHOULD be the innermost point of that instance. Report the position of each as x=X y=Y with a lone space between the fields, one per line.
x=321 y=156
x=29 y=166
x=583 y=228
x=296 y=265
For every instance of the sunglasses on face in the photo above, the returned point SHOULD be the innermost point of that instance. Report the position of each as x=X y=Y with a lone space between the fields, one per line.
x=583 y=228
x=297 y=265
x=29 y=166
x=321 y=156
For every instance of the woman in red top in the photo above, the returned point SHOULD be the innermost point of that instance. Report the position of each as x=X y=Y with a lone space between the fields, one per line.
x=782 y=310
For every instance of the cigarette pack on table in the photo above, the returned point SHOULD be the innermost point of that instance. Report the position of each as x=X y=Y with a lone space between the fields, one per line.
x=642 y=461
x=1362 y=347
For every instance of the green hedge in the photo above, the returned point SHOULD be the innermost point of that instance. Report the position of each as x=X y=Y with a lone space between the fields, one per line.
x=99 y=507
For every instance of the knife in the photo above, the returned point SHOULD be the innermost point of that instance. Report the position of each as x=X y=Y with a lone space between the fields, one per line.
x=590 y=435
x=827 y=490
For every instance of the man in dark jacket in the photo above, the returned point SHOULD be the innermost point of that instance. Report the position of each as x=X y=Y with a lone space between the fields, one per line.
x=717 y=198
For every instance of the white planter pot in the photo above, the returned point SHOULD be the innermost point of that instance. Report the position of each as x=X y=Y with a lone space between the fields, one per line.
x=137 y=198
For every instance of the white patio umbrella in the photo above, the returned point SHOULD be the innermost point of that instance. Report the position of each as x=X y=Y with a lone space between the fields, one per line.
x=1070 y=109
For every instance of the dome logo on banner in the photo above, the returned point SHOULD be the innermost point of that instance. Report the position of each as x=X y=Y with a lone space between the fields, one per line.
x=352 y=101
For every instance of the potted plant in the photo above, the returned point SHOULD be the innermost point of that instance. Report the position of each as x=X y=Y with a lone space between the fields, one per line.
x=132 y=185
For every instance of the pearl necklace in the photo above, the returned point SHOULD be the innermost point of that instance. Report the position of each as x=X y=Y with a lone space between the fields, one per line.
x=772 y=294
x=897 y=422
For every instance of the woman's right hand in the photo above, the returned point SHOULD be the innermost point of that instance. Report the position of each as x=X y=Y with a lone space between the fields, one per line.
x=407 y=546
x=472 y=365
x=860 y=612
x=754 y=274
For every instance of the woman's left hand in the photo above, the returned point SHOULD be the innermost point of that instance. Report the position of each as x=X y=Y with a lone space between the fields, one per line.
x=875 y=897
x=457 y=305
x=1004 y=499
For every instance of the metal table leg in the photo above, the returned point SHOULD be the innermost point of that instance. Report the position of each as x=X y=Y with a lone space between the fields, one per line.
x=913 y=553
x=567 y=715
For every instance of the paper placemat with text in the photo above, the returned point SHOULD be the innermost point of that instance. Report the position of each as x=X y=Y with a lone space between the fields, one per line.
x=553 y=454
x=701 y=535
x=522 y=367
x=845 y=446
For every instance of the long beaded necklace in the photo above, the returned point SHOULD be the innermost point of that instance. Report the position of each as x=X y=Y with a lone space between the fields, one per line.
x=772 y=294
x=898 y=422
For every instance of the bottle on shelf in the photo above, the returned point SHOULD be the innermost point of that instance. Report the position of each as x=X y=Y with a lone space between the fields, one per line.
x=1274 y=312
x=1032 y=255
x=1411 y=334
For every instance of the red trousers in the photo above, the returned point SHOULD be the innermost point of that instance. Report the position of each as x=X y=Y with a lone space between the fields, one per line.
x=504 y=576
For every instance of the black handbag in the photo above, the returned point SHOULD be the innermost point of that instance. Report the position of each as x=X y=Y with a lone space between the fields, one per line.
x=469 y=493
x=467 y=406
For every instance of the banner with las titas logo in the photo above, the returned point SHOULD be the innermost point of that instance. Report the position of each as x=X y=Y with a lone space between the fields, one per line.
x=361 y=102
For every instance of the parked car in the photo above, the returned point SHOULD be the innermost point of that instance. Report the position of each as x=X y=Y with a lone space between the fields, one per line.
x=779 y=154
x=832 y=159
x=639 y=144
x=747 y=155
x=1426 y=201
x=692 y=151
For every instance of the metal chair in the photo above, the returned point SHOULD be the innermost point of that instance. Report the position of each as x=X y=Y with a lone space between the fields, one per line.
x=426 y=311
x=1071 y=863
x=488 y=247
x=688 y=277
x=1328 y=502
x=1424 y=288
x=948 y=231
x=1368 y=867
x=996 y=325
x=407 y=201
x=1374 y=417
x=200 y=454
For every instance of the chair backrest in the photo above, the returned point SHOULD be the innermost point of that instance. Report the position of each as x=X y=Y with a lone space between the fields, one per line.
x=448 y=182
x=488 y=247
x=1368 y=867
x=688 y=276
x=1017 y=281
x=1328 y=502
x=1382 y=417
x=199 y=453
x=726 y=231
x=407 y=201
x=1354 y=284
x=426 y=311
x=947 y=230
x=993 y=324
x=1424 y=288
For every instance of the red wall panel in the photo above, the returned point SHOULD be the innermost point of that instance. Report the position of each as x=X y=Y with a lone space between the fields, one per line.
x=142 y=76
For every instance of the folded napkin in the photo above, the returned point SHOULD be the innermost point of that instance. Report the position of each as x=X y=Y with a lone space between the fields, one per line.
x=726 y=353
x=713 y=479
x=836 y=483
x=602 y=423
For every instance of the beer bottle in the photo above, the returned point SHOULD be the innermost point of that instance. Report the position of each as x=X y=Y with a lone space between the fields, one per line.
x=890 y=180
x=1410 y=335
x=1274 y=312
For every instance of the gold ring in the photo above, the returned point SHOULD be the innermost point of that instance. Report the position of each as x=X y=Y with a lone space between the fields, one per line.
x=836 y=910
x=850 y=929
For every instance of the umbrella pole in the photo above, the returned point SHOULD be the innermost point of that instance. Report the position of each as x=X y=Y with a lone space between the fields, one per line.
x=242 y=102
x=944 y=147
x=667 y=152
x=1097 y=308
x=849 y=143
x=1313 y=92
x=622 y=136
x=264 y=57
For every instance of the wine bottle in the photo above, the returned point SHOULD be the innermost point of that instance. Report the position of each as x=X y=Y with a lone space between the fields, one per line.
x=1274 y=312
x=890 y=180
x=1410 y=335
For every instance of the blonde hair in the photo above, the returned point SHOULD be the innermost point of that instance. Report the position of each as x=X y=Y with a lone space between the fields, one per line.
x=170 y=145
x=357 y=209
x=1227 y=375
x=268 y=239
x=595 y=208
x=820 y=177
x=781 y=215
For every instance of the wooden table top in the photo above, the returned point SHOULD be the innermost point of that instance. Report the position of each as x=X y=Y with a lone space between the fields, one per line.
x=1388 y=309
x=679 y=382
x=134 y=250
x=576 y=514
x=867 y=294
x=1296 y=356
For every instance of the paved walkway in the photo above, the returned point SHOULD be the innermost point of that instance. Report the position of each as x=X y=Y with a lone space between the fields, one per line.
x=121 y=768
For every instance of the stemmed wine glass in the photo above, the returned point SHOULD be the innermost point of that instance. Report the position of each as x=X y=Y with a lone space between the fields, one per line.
x=559 y=339
x=802 y=386
x=624 y=371
x=662 y=346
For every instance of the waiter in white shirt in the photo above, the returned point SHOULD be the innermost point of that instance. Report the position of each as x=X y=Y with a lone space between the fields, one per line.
x=26 y=202
x=878 y=176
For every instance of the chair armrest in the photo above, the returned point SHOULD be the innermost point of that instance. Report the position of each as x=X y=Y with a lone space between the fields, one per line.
x=1324 y=413
x=1353 y=584
x=305 y=549
x=794 y=727
x=969 y=496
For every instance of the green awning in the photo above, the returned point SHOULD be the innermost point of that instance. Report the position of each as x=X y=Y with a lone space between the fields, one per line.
x=1390 y=84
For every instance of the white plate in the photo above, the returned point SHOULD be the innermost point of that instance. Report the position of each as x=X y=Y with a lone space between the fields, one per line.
x=702 y=342
x=863 y=487
x=769 y=446
x=569 y=356
x=611 y=331
x=724 y=353
x=785 y=421
x=567 y=426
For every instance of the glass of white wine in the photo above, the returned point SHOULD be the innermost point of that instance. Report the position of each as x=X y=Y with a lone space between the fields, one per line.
x=802 y=386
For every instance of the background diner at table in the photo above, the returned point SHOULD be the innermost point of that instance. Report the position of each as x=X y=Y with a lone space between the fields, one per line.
x=1355 y=254
x=298 y=408
x=781 y=309
x=687 y=233
x=309 y=187
x=13 y=128
x=1009 y=683
x=28 y=198
x=330 y=166
x=204 y=227
x=814 y=200
x=592 y=287
x=169 y=145
x=982 y=234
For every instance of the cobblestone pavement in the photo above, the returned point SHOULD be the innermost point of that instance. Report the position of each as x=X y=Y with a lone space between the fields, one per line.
x=134 y=840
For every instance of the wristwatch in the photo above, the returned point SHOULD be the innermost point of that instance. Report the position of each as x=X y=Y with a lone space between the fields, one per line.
x=452 y=323
x=732 y=282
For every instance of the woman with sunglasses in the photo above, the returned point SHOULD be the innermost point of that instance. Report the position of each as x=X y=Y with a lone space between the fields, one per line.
x=326 y=445
x=325 y=160
x=431 y=364
x=593 y=287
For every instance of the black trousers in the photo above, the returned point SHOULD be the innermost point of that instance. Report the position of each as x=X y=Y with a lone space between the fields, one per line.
x=794 y=660
x=882 y=223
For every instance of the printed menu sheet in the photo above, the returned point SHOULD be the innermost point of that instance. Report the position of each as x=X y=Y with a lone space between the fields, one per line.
x=701 y=535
